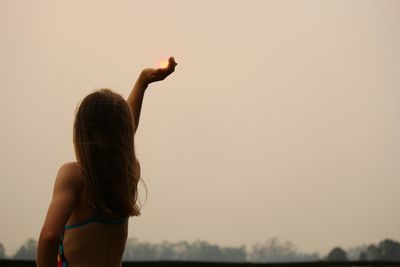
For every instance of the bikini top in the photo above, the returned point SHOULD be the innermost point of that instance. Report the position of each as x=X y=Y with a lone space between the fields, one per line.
x=61 y=260
x=97 y=219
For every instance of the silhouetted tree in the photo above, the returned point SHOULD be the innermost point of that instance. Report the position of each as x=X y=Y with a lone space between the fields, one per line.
x=372 y=252
x=355 y=253
x=27 y=251
x=2 y=251
x=390 y=250
x=363 y=256
x=234 y=254
x=196 y=251
x=337 y=254
x=204 y=251
x=139 y=251
x=274 y=251
x=386 y=250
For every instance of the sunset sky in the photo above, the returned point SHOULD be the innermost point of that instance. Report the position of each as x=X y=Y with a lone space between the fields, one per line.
x=281 y=120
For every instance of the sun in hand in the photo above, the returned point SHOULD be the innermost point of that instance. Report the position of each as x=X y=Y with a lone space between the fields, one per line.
x=163 y=64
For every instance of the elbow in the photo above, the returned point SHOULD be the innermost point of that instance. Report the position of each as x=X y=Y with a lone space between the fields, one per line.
x=46 y=254
x=49 y=237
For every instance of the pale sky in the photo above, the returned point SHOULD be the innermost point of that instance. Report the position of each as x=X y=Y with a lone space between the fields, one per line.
x=282 y=118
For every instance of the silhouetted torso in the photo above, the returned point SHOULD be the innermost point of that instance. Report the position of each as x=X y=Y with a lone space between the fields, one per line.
x=93 y=244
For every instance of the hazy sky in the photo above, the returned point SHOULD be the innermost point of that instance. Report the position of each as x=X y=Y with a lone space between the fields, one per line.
x=282 y=118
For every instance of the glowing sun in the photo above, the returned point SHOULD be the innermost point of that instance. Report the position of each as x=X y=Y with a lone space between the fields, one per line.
x=163 y=64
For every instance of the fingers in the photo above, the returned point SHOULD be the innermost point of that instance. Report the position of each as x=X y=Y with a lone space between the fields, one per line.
x=171 y=62
x=171 y=65
x=169 y=69
x=160 y=74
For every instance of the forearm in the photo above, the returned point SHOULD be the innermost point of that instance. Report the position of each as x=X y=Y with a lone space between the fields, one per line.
x=46 y=253
x=146 y=77
x=135 y=100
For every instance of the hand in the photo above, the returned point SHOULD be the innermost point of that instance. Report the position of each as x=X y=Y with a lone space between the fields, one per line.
x=151 y=75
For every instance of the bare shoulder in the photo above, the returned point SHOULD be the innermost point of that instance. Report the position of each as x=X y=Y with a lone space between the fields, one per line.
x=70 y=174
x=71 y=168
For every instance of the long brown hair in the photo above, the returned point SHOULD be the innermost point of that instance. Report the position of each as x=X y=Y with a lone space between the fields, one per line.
x=104 y=148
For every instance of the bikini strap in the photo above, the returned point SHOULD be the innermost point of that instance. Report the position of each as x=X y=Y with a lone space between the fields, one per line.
x=97 y=219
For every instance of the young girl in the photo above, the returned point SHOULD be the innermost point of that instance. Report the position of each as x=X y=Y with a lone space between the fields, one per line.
x=87 y=220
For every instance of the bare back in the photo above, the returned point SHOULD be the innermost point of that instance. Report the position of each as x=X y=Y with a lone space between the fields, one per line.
x=92 y=244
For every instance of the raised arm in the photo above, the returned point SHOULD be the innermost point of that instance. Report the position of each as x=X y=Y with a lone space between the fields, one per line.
x=146 y=77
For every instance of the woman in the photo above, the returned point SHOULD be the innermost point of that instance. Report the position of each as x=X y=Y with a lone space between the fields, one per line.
x=87 y=220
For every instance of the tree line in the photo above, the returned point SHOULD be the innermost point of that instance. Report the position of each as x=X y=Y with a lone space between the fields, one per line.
x=271 y=250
